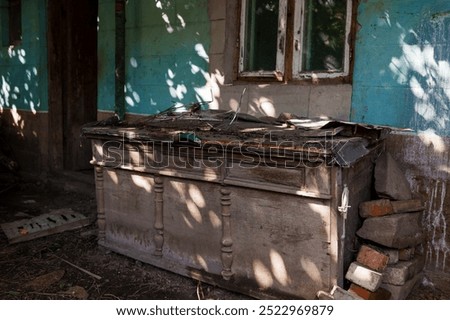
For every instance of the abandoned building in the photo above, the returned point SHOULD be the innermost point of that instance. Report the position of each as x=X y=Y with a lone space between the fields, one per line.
x=171 y=108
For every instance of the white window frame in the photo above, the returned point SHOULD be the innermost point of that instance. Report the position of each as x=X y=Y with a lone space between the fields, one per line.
x=297 y=47
x=299 y=22
x=281 y=43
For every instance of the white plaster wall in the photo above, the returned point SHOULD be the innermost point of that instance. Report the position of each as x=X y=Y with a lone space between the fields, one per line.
x=272 y=99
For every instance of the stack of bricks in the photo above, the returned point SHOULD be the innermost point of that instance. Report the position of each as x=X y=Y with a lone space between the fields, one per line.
x=391 y=261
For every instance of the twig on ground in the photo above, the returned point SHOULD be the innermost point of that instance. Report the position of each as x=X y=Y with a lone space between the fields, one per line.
x=49 y=294
x=80 y=268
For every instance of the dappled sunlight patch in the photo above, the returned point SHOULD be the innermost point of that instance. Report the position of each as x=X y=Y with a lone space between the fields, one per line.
x=233 y=104
x=168 y=66
x=267 y=107
x=113 y=176
x=201 y=52
x=194 y=211
x=263 y=276
x=428 y=77
x=216 y=222
x=182 y=22
x=133 y=62
x=16 y=116
x=310 y=269
x=141 y=182
x=188 y=223
x=178 y=91
x=202 y=262
x=196 y=196
x=179 y=188
x=18 y=89
x=169 y=27
x=431 y=139
x=279 y=270
x=132 y=98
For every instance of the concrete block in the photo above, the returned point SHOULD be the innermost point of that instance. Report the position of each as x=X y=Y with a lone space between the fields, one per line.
x=406 y=254
x=396 y=231
x=364 y=277
x=399 y=273
x=390 y=181
x=379 y=294
x=403 y=206
x=393 y=255
x=372 y=258
x=375 y=208
x=402 y=292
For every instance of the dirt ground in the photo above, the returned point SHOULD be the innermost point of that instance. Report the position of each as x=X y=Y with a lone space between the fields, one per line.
x=40 y=269
x=71 y=265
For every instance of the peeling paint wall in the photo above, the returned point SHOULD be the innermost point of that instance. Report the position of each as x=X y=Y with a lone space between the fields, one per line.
x=407 y=82
x=23 y=68
x=183 y=51
x=24 y=89
x=402 y=79
x=167 y=45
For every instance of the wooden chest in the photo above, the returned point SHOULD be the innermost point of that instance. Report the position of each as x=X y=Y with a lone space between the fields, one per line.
x=245 y=212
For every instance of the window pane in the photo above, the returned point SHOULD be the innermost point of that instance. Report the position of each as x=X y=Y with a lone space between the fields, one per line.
x=261 y=35
x=324 y=37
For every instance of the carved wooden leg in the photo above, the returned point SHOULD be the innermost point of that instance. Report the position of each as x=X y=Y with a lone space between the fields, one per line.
x=99 y=188
x=159 y=223
x=227 y=241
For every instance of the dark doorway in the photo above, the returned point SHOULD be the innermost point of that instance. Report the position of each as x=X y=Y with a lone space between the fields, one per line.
x=72 y=62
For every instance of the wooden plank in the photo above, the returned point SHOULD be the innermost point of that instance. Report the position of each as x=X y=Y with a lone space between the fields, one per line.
x=54 y=222
x=264 y=174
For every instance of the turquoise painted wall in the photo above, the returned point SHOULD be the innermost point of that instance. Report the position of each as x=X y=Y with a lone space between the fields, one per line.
x=23 y=69
x=402 y=66
x=166 y=54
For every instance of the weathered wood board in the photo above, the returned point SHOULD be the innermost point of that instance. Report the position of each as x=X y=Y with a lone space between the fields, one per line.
x=51 y=223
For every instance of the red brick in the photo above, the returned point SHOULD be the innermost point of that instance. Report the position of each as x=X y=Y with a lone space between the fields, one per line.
x=375 y=208
x=379 y=294
x=372 y=258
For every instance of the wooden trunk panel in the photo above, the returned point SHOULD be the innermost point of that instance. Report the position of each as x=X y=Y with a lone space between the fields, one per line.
x=129 y=208
x=281 y=242
x=294 y=178
x=193 y=224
